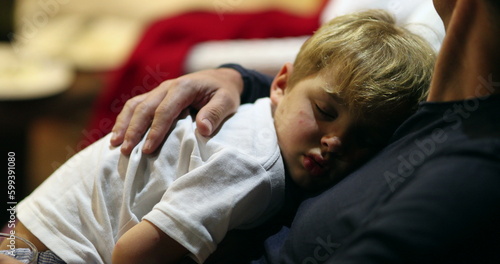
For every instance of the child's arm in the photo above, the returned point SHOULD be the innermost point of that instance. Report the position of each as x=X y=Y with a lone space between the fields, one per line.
x=145 y=243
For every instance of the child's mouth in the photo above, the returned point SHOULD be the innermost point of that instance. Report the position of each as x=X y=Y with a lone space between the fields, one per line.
x=315 y=165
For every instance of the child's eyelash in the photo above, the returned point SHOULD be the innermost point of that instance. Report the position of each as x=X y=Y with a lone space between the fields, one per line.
x=325 y=113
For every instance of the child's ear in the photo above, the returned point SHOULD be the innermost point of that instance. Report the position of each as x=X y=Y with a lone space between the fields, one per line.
x=280 y=83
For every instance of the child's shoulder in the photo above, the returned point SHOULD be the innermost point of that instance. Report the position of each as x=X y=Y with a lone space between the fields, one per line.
x=250 y=131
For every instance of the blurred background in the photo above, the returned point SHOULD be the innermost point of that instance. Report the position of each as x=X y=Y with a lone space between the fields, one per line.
x=67 y=66
x=57 y=56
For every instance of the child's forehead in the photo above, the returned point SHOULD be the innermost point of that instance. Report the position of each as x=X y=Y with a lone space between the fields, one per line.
x=342 y=95
x=329 y=83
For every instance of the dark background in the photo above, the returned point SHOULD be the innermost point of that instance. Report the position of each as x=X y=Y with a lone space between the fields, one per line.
x=7 y=139
x=6 y=19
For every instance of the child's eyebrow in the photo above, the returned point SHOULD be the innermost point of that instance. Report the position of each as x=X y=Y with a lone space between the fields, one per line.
x=336 y=97
x=333 y=92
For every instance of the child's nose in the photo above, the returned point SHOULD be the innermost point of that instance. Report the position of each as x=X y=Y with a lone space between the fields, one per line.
x=331 y=143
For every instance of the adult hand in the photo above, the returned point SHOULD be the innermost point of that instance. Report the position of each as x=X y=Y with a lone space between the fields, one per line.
x=215 y=93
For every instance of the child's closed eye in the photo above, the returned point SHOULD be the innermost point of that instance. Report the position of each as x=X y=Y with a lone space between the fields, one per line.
x=325 y=113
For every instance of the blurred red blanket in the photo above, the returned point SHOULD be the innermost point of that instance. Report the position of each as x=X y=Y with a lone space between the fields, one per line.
x=162 y=50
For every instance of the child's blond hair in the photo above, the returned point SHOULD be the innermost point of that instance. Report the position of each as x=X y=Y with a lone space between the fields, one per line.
x=379 y=68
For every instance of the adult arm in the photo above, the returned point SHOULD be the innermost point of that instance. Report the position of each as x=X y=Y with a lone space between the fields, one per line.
x=215 y=93
x=255 y=85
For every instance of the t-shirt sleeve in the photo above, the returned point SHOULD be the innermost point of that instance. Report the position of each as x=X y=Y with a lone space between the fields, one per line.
x=221 y=193
x=255 y=85
x=441 y=205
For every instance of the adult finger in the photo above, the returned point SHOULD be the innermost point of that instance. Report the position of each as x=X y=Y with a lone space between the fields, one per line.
x=176 y=102
x=141 y=118
x=222 y=105
x=123 y=120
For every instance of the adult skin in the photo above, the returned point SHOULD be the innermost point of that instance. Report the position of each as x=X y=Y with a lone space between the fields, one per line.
x=469 y=51
x=468 y=56
x=216 y=92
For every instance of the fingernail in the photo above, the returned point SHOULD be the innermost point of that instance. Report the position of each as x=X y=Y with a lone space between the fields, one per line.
x=208 y=124
x=114 y=135
x=126 y=145
x=147 y=146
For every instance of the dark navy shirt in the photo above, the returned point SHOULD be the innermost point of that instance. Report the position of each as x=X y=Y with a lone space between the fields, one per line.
x=431 y=196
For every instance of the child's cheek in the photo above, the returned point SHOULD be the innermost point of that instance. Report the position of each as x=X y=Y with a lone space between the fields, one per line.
x=306 y=128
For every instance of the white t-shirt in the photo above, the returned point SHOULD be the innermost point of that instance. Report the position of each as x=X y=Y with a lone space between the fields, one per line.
x=195 y=189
